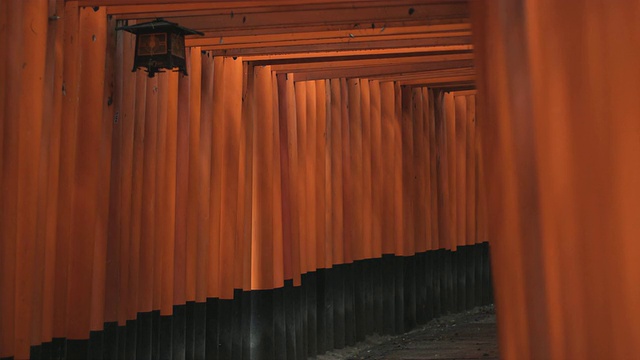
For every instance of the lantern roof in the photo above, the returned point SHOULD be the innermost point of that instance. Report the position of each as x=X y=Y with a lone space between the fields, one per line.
x=159 y=24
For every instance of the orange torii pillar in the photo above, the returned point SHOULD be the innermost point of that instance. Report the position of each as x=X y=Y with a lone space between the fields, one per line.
x=559 y=87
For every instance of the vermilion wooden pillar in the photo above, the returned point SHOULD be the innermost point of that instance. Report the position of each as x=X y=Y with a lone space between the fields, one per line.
x=301 y=126
x=367 y=199
x=559 y=131
x=262 y=276
x=53 y=111
x=310 y=161
x=12 y=17
x=337 y=220
x=92 y=53
x=127 y=115
x=212 y=175
x=170 y=198
x=376 y=168
x=195 y=91
x=208 y=178
x=231 y=119
x=471 y=173
x=320 y=173
x=387 y=118
x=433 y=167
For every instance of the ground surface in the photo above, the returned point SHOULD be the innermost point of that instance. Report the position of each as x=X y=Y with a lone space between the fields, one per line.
x=468 y=335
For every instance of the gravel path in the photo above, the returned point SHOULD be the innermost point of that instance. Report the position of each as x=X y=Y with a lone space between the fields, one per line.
x=468 y=335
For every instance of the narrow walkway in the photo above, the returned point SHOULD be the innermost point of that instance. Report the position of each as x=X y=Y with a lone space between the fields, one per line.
x=468 y=335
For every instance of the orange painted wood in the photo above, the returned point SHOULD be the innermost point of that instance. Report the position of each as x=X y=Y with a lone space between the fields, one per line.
x=278 y=251
x=514 y=327
x=91 y=80
x=262 y=274
x=113 y=264
x=436 y=239
x=296 y=17
x=231 y=88
x=442 y=187
x=67 y=165
x=428 y=72
x=182 y=187
x=367 y=53
x=367 y=200
x=376 y=168
x=337 y=204
x=101 y=231
x=4 y=36
x=429 y=171
x=8 y=217
x=390 y=33
x=246 y=174
x=245 y=15
x=399 y=230
x=37 y=316
x=55 y=77
x=166 y=5
x=210 y=173
x=147 y=225
x=450 y=141
x=127 y=121
x=45 y=224
x=482 y=206
x=287 y=95
x=288 y=194
x=328 y=209
x=407 y=193
x=160 y=220
x=330 y=41
x=301 y=116
x=471 y=181
x=169 y=200
x=348 y=243
x=350 y=63
x=322 y=248
x=30 y=114
x=194 y=173
x=421 y=171
x=459 y=39
x=206 y=163
x=355 y=194
x=311 y=180
x=460 y=106
x=136 y=194
x=387 y=106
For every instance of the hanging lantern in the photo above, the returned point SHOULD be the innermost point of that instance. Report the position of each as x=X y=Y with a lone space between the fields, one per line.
x=159 y=45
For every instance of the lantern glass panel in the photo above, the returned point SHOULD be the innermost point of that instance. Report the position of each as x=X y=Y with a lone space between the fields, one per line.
x=177 y=45
x=152 y=44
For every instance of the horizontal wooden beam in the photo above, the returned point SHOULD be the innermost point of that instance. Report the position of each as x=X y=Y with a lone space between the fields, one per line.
x=355 y=54
x=167 y=5
x=210 y=43
x=348 y=46
x=447 y=81
x=358 y=34
x=425 y=75
x=187 y=8
x=284 y=18
x=387 y=61
x=376 y=71
x=465 y=92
